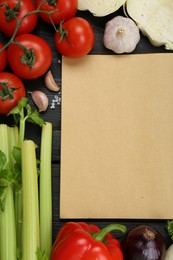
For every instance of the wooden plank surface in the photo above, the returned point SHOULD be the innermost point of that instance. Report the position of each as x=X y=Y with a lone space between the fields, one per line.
x=54 y=114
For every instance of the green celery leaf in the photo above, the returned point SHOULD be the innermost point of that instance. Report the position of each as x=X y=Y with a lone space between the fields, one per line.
x=7 y=174
x=17 y=154
x=14 y=111
x=35 y=118
x=22 y=103
x=28 y=109
x=3 y=160
x=17 y=166
x=18 y=175
x=16 y=114
x=11 y=174
x=18 y=110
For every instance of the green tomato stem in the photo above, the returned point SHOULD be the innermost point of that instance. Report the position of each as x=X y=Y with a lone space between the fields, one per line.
x=19 y=21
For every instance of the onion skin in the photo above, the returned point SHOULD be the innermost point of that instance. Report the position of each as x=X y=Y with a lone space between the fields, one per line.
x=143 y=243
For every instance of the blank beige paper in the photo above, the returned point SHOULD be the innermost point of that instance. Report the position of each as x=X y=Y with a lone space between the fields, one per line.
x=117 y=137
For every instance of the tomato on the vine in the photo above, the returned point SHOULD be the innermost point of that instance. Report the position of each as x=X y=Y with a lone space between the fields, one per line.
x=3 y=58
x=9 y=9
x=63 y=9
x=31 y=57
x=75 y=38
x=12 y=90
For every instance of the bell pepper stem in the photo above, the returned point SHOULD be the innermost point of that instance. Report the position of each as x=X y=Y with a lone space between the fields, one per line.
x=111 y=227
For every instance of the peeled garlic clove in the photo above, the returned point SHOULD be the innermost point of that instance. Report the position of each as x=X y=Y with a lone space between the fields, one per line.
x=50 y=82
x=121 y=35
x=40 y=99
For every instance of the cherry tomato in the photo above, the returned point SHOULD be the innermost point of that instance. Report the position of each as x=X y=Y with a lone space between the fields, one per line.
x=65 y=9
x=11 y=8
x=75 y=38
x=3 y=58
x=11 y=91
x=31 y=62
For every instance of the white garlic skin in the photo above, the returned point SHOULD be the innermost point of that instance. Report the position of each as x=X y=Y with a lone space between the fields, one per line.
x=121 y=35
x=40 y=99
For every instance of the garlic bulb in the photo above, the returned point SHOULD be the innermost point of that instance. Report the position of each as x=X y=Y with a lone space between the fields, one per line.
x=121 y=35
x=40 y=99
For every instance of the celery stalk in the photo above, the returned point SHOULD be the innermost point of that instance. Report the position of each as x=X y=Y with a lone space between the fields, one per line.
x=13 y=136
x=46 y=189
x=31 y=241
x=7 y=216
x=18 y=218
x=13 y=141
x=7 y=228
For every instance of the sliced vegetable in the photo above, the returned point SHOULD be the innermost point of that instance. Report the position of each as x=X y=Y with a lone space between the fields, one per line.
x=154 y=19
x=100 y=7
x=143 y=243
x=121 y=35
x=169 y=253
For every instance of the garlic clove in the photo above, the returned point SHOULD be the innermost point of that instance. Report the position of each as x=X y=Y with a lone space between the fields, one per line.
x=50 y=82
x=40 y=99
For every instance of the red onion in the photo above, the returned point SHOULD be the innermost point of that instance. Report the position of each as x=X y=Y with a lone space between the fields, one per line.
x=143 y=243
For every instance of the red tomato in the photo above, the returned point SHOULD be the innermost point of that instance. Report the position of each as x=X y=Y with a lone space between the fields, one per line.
x=78 y=39
x=11 y=91
x=65 y=9
x=3 y=58
x=8 y=12
x=33 y=64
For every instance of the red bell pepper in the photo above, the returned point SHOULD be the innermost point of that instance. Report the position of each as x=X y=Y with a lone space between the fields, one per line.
x=82 y=241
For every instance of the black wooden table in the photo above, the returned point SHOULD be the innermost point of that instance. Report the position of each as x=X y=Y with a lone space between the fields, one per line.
x=53 y=114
